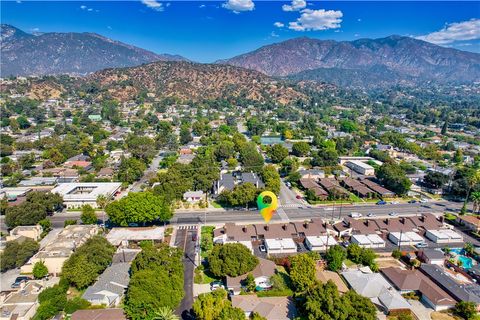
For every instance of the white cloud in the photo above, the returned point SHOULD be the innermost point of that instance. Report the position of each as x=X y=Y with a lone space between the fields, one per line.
x=202 y=6
x=109 y=27
x=296 y=5
x=83 y=7
x=458 y=31
x=238 y=6
x=36 y=29
x=317 y=20
x=274 y=35
x=279 y=24
x=359 y=20
x=154 y=5
x=90 y=9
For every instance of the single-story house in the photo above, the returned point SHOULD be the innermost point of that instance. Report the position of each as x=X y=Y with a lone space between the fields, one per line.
x=278 y=308
x=432 y=256
x=262 y=273
x=99 y=314
x=122 y=236
x=193 y=196
x=110 y=286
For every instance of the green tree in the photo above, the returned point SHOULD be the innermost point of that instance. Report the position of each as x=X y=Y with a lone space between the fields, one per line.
x=16 y=254
x=252 y=160
x=232 y=259
x=277 y=153
x=23 y=122
x=302 y=272
x=130 y=169
x=391 y=175
x=435 y=179
x=271 y=178
x=250 y=283
x=157 y=275
x=165 y=313
x=141 y=147
x=466 y=309
x=40 y=270
x=241 y=195
x=216 y=306
x=88 y=261
x=27 y=161
x=301 y=148
x=139 y=207
x=335 y=256
x=88 y=215
x=185 y=135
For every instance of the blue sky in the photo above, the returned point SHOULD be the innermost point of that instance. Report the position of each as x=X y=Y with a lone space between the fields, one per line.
x=205 y=31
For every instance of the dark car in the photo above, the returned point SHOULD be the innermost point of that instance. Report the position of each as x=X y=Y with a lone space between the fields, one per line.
x=19 y=280
x=381 y=203
x=412 y=201
x=194 y=237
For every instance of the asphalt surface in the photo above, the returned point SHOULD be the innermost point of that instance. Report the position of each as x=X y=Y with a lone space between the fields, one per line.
x=152 y=169
x=298 y=213
x=184 y=241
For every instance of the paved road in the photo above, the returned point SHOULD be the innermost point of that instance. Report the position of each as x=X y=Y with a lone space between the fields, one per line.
x=326 y=212
x=183 y=240
x=152 y=169
x=288 y=198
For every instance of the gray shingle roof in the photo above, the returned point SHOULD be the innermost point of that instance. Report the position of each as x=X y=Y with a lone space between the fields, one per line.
x=110 y=285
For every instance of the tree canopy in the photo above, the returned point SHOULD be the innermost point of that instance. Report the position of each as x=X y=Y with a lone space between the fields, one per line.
x=139 y=207
x=302 y=272
x=216 y=306
x=17 y=253
x=156 y=281
x=231 y=259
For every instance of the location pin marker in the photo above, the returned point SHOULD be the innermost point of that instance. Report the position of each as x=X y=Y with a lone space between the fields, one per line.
x=267 y=209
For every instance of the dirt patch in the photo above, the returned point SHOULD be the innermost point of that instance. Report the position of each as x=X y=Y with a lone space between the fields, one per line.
x=389 y=262
x=442 y=316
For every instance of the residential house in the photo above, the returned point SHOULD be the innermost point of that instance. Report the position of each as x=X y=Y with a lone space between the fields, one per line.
x=99 y=314
x=375 y=287
x=471 y=222
x=21 y=304
x=228 y=181
x=110 y=287
x=415 y=281
x=262 y=273
x=278 y=308
x=193 y=196
x=432 y=256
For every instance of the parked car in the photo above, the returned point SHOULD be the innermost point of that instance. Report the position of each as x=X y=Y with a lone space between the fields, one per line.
x=298 y=196
x=421 y=245
x=412 y=201
x=194 y=237
x=371 y=215
x=345 y=244
x=355 y=215
x=19 y=281
x=262 y=248
x=381 y=203
x=393 y=214
x=288 y=184
x=394 y=202
x=216 y=285
x=423 y=200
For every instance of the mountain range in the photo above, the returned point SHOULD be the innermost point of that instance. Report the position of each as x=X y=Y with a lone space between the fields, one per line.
x=359 y=63
x=363 y=61
x=53 y=53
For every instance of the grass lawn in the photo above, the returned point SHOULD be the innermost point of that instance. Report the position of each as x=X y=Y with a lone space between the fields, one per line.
x=349 y=263
x=215 y=204
x=204 y=277
x=282 y=285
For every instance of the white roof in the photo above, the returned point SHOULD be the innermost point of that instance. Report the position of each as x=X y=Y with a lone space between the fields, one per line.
x=446 y=234
x=360 y=164
x=321 y=241
x=286 y=243
x=91 y=190
x=361 y=239
x=407 y=236
x=375 y=238
x=117 y=235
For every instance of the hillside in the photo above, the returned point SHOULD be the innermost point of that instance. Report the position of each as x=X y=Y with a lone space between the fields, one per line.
x=364 y=61
x=67 y=53
x=191 y=81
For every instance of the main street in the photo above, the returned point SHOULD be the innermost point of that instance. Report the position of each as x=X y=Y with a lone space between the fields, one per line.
x=294 y=214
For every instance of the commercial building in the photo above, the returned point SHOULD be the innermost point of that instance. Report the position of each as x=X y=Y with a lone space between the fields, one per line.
x=360 y=167
x=373 y=241
x=75 y=195
x=60 y=249
x=123 y=236
x=444 y=236
x=32 y=232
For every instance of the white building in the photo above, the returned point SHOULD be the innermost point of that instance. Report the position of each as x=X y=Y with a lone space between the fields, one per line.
x=368 y=241
x=409 y=238
x=444 y=236
x=360 y=167
x=319 y=243
x=75 y=195
x=277 y=246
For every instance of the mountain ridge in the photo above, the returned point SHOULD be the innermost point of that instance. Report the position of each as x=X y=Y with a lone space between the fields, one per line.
x=73 y=53
x=411 y=59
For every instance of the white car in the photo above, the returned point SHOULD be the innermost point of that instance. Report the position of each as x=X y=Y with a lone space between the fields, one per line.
x=355 y=215
x=424 y=200
x=393 y=214
x=371 y=215
x=262 y=248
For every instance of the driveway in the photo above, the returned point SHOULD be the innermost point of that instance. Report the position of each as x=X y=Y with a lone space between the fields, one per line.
x=420 y=310
x=7 y=278
x=183 y=240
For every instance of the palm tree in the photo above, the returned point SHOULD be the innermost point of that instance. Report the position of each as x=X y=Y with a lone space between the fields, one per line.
x=102 y=203
x=476 y=201
x=165 y=313
x=472 y=181
x=469 y=248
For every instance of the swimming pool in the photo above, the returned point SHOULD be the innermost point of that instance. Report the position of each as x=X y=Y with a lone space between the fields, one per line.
x=467 y=262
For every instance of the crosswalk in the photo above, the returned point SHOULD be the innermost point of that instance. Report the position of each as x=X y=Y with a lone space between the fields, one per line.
x=282 y=215
x=290 y=205
x=187 y=227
